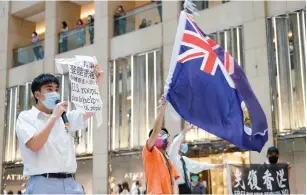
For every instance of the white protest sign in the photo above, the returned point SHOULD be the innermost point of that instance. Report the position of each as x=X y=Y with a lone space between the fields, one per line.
x=84 y=89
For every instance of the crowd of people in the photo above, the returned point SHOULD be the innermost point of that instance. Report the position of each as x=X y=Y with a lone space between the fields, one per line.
x=120 y=23
x=123 y=188
x=64 y=36
x=80 y=31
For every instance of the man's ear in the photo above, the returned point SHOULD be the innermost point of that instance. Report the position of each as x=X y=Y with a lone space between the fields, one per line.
x=37 y=95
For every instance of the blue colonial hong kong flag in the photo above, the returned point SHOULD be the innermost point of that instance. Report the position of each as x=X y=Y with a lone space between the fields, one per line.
x=209 y=89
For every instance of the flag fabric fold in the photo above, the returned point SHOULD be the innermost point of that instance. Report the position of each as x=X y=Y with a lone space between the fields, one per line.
x=208 y=88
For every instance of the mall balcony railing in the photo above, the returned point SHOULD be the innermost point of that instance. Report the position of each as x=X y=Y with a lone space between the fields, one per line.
x=76 y=38
x=28 y=54
x=138 y=18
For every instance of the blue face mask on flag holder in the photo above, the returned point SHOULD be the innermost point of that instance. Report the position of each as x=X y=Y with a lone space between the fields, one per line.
x=184 y=148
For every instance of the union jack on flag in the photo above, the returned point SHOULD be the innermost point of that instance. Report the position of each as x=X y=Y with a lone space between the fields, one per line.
x=203 y=47
x=208 y=88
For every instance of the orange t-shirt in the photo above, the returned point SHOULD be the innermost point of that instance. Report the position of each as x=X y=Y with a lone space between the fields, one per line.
x=157 y=176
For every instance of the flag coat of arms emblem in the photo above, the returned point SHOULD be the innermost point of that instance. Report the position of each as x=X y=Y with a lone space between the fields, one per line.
x=209 y=89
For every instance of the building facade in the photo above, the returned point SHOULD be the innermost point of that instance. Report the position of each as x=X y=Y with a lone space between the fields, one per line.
x=134 y=48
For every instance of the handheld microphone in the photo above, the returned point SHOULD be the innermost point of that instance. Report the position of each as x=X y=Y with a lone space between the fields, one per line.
x=64 y=117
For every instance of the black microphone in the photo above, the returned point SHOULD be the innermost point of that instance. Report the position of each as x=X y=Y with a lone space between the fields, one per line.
x=64 y=117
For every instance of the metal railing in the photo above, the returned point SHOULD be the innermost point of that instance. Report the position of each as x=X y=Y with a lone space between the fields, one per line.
x=76 y=38
x=138 y=18
x=28 y=54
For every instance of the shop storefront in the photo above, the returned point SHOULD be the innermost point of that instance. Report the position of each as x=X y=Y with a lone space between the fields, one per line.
x=205 y=147
x=215 y=180
x=127 y=168
x=12 y=178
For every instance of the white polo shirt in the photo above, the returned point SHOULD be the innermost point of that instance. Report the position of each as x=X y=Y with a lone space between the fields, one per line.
x=57 y=155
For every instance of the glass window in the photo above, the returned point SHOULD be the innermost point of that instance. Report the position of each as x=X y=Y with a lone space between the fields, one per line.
x=135 y=87
x=286 y=38
x=232 y=41
x=205 y=4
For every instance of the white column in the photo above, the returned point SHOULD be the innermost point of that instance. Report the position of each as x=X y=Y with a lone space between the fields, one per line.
x=4 y=12
x=51 y=38
x=101 y=135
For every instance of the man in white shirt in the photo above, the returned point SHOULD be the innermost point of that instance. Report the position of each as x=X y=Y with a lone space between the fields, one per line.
x=184 y=165
x=46 y=145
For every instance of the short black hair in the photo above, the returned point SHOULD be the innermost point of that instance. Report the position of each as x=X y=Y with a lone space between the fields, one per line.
x=35 y=33
x=194 y=174
x=126 y=186
x=64 y=24
x=42 y=80
x=163 y=129
x=92 y=19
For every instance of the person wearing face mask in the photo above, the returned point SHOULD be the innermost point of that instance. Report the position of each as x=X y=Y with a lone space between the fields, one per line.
x=46 y=146
x=273 y=158
x=36 y=46
x=197 y=187
x=90 y=20
x=120 y=21
x=160 y=173
x=184 y=165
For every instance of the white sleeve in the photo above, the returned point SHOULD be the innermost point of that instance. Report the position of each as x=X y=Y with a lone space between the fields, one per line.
x=76 y=120
x=195 y=166
x=175 y=146
x=25 y=128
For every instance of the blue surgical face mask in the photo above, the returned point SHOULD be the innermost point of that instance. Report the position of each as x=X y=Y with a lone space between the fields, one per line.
x=184 y=148
x=50 y=99
x=194 y=178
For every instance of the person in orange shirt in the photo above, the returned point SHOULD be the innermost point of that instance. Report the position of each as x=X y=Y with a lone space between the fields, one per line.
x=160 y=173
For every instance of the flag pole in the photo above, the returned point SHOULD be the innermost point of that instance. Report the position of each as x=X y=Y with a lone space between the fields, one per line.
x=176 y=48
x=188 y=8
